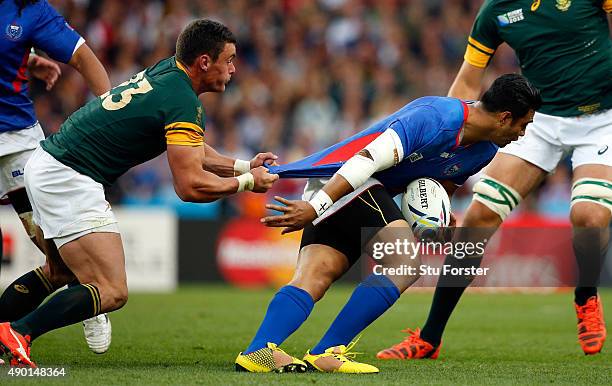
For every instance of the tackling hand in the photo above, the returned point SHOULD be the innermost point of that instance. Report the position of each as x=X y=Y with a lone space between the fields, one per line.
x=263 y=180
x=296 y=215
x=264 y=158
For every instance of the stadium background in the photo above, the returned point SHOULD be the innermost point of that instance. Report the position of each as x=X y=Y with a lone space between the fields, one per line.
x=308 y=73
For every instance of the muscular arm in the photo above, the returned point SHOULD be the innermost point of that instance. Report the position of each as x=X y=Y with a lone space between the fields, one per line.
x=216 y=163
x=86 y=62
x=191 y=182
x=467 y=84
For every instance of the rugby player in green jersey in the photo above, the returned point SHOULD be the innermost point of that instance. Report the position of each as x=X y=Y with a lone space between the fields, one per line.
x=564 y=49
x=156 y=110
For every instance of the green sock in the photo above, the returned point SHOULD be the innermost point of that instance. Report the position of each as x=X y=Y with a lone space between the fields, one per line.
x=23 y=295
x=67 y=307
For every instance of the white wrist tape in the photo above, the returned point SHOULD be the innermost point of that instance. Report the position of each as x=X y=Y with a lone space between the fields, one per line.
x=241 y=167
x=386 y=151
x=320 y=202
x=245 y=182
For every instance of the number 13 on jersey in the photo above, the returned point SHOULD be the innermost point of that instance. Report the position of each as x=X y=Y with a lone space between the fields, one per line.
x=120 y=96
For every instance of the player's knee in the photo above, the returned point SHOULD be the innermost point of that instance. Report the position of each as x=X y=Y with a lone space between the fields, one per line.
x=479 y=215
x=493 y=202
x=586 y=215
x=113 y=297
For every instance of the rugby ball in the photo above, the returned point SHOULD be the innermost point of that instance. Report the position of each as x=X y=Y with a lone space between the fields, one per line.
x=426 y=207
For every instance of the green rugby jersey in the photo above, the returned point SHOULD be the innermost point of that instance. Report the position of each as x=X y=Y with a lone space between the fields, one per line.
x=563 y=46
x=130 y=124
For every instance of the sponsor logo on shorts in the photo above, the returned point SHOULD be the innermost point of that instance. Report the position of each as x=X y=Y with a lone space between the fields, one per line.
x=21 y=288
x=603 y=150
x=447 y=155
x=13 y=31
x=17 y=173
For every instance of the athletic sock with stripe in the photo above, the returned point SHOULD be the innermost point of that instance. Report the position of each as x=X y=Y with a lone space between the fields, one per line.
x=69 y=306
x=23 y=295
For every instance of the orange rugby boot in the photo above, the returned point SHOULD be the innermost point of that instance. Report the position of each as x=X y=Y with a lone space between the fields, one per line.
x=16 y=346
x=591 y=326
x=412 y=347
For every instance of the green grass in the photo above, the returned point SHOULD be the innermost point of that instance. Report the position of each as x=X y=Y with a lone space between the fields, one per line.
x=193 y=336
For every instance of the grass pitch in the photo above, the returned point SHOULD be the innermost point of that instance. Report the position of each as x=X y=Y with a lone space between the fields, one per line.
x=194 y=335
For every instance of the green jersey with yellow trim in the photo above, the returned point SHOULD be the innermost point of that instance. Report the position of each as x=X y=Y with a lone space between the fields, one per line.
x=130 y=124
x=563 y=46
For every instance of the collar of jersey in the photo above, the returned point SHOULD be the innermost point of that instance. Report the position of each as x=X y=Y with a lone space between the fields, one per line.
x=180 y=66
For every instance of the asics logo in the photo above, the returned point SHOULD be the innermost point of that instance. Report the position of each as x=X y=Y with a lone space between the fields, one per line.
x=21 y=288
x=603 y=150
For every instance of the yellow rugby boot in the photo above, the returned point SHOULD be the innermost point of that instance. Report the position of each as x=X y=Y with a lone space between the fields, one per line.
x=264 y=361
x=338 y=359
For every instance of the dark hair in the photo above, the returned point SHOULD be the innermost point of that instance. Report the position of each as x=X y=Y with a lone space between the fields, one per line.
x=514 y=93
x=21 y=4
x=202 y=36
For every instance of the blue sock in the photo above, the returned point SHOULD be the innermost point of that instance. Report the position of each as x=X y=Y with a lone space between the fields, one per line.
x=287 y=311
x=372 y=297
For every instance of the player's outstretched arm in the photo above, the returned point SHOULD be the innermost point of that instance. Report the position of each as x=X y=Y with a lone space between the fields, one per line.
x=224 y=166
x=297 y=213
x=380 y=154
x=193 y=184
x=467 y=84
x=85 y=61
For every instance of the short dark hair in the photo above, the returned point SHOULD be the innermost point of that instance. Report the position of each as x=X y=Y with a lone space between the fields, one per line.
x=202 y=36
x=514 y=93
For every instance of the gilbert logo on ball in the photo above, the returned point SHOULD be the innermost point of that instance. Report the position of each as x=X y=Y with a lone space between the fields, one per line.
x=426 y=207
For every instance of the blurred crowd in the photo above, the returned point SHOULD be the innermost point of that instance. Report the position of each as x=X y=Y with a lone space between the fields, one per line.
x=308 y=73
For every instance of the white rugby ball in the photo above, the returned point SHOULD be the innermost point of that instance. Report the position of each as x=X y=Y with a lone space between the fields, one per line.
x=426 y=207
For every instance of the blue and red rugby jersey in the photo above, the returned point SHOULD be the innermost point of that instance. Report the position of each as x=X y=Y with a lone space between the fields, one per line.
x=430 y=131
x=39 y=26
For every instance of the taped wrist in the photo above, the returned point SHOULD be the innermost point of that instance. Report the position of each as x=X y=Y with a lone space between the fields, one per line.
x=321 y=202
x=241 y=167
x=245 y=182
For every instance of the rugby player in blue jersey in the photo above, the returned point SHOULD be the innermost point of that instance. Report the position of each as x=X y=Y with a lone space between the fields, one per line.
x=350 y=186
x=25 y=25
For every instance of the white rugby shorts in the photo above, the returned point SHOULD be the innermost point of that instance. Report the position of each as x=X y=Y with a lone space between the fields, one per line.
x=15 y=150
x=66 y=204
x=548 y=139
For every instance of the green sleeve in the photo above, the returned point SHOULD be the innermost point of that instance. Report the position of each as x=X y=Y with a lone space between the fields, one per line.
x=183 y=116
x=484 y=38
